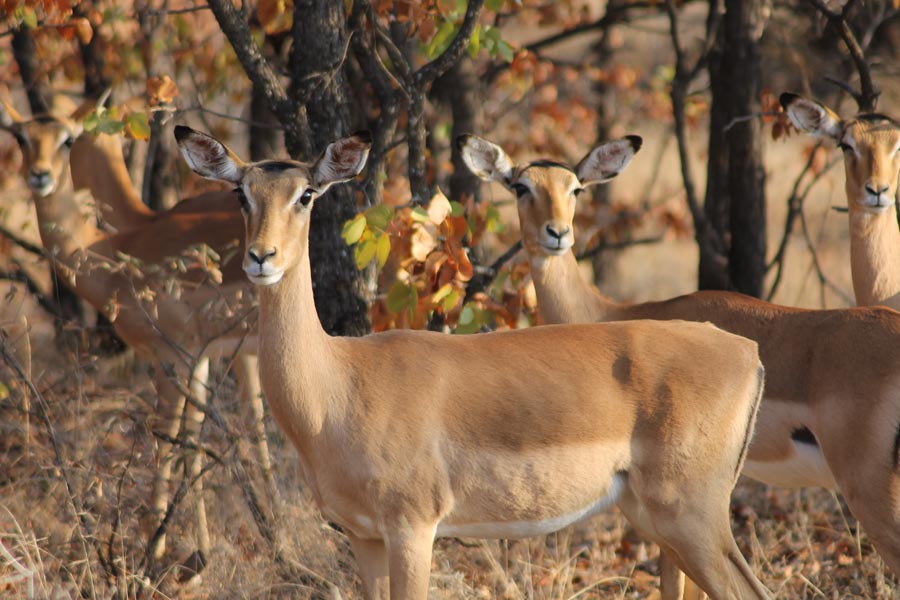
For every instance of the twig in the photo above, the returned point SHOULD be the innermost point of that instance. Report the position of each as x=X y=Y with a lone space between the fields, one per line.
x=434 y=69
x=215 y=113
x=177 y=11
x=603 y=246
x=22 y=243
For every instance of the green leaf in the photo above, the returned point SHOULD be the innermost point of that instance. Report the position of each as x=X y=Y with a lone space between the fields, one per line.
x=467 y=315
x=365 y=252
x=442 y=38
x=353 y=229
x=420 y=214
x=457 y=209
x=138 y=126
x=475 y=41
x=492 y=220
x=470 y=319
x=379 y=217
x=505 y=50
x=383 y=249
x=494 y=5
x=450 y=301
x=401 y=296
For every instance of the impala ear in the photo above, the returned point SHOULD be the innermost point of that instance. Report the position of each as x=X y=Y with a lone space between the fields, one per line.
x=485 y=159
x=208 y=157
x=811 y=117
x=607 y=160
x=10 y=119
x=342 y=160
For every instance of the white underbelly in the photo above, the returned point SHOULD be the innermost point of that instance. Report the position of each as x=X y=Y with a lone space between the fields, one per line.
x=521 y=529
x=805 y=468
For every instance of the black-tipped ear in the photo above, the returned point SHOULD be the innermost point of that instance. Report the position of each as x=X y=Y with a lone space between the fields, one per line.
x=342 y=160
x=786 y=99
x=485 y=159
x=207 y=156
x=608 y=160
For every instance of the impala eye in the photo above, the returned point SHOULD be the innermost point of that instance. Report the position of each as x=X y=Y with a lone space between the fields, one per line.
x=242 y=198
x=306 y=197
x=520 y=189
x=577 y=192
x=845 y=147
x=69 y=141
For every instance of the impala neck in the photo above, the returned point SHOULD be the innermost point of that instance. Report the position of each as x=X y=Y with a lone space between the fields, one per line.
x=875 y=257
x=297 y=359
x=97 y=165
x=563 y=295
x=66 y=225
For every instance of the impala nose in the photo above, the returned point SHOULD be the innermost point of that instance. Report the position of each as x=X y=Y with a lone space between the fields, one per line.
x=553 y=232
x=877 y=190
x=260 y=256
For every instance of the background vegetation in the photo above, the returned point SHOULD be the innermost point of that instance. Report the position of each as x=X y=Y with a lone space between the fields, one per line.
x=721 y=197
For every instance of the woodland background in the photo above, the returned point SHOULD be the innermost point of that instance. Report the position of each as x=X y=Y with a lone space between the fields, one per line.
x=722 y=196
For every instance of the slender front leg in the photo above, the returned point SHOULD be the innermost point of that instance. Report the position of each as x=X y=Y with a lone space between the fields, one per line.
x=409 y=555
x=671 y=579
x=194 y=417
x=372 y=560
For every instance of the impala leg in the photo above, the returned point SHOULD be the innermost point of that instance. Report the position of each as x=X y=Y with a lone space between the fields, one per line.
x=372 y=559
x=708 y=554
x=246 y=369
x=671 y=579
x=170 y=408
x=409 y=558
x=194 y=417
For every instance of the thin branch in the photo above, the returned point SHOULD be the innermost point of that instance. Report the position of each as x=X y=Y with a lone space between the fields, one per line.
x=603 y=246
x=215 y=113
x=22 y=243
x=178 y=11
x=258 y=69
x=867 y=97
x=431 y=71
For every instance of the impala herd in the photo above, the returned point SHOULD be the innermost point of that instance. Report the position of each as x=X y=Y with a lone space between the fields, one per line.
x=647 y=411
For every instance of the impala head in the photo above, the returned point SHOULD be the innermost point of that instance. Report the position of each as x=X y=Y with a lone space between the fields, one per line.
x=547 y=190
x=276 y=196
x=871 y=145
x=45 y=141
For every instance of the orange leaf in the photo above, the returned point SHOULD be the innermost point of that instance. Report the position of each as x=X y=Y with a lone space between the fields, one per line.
x=83 y=29
x=161 y=90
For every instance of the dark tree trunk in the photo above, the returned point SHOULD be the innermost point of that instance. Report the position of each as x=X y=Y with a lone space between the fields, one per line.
x=320 y=42
x=37 y=86
x=263 y=140
x=460 y=90
x=713 y=269
x=735 y=198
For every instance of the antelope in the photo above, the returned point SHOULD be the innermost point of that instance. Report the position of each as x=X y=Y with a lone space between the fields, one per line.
x=172 y=319
x=871 y=146
x=830 y=374
x=562 y=422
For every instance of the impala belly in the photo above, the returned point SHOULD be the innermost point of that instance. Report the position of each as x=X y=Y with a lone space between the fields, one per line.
x=784 y=450
x=535 y=492
x=521 y=529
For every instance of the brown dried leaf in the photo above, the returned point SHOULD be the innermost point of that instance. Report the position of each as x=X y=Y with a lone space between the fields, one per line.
x=161 y=90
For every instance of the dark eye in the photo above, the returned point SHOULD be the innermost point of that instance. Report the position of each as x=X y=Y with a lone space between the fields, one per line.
x=844 y=147
x=69 y=141
x=577 y=192
x=307 y=196
x=520 y=189
x=242 y=198
x=20 y=139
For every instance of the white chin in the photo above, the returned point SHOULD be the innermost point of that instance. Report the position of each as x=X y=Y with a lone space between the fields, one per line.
x=43 y=192
x=267 y=279
x=556 y=251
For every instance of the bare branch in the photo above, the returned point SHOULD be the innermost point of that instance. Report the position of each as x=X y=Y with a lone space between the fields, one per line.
x=431 y=71
x=602 y=246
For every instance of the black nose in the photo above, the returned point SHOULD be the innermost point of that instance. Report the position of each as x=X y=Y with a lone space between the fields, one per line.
x=878 y=192
x=557 y=234
x=40 y=173
x=260 y=259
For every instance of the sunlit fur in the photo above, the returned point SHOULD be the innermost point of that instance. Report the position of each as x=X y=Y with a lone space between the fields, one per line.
x=871 y=147
x=835 y=372
x=406 y=435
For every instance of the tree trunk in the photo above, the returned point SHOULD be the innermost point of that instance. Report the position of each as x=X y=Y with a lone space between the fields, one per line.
x=741 y=67
x=320 y=42
x=459 y=89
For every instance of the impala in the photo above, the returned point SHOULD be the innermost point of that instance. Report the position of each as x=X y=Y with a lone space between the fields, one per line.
x=830 y=415
x=871 y=146
x=176 y=320
x=559 y=422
